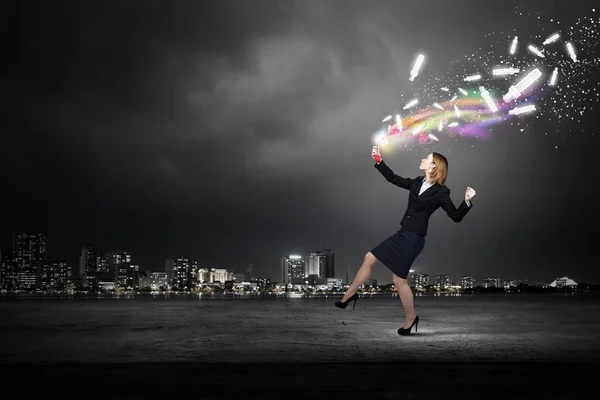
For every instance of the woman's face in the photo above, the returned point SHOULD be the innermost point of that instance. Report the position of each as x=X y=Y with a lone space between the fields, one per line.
x=427 y=163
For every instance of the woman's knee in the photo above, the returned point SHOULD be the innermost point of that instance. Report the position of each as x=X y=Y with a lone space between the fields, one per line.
x=399 y=281
x=370 y=259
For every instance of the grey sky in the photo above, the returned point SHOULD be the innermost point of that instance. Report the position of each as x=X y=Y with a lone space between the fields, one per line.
x=240 y=131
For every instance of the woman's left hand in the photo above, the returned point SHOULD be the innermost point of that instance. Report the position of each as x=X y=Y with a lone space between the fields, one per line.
x=469 y=194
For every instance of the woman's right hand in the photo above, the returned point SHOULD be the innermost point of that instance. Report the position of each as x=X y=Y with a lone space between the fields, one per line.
x=375 y=154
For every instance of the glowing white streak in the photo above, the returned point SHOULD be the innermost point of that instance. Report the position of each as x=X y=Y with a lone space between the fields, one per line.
x=571 y=52
x=513 y=46
x=516 y=90
x=416 y=67
x=457 y=111
x=505 y=71
x=453 y=124
x=453 y=98
x=433 y=137
x=418 y=129
x=463 y=91
x=522 y=110
x=475 y=77
x=535 y=51
x=436 y=105
x=488 y=99
x=386 y=119
x=382 y=139
x=440 y=125
x=551 y=39
x=554 y=76
x=411 y=104
x=445 y=89
x=399 y=122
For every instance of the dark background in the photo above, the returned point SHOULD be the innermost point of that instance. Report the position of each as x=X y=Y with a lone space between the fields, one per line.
x=240 y=131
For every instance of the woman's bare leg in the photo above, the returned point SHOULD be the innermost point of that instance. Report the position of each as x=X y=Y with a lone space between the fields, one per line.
x=364 y=273
x=406 y=296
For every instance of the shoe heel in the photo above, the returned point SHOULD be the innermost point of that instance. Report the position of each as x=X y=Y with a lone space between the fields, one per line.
x=354 y=305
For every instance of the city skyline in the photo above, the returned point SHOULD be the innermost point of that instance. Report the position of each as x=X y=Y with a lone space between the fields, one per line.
x=27 y=265
x=173 y=133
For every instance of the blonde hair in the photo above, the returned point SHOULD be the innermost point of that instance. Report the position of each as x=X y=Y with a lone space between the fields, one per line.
x=440 y=172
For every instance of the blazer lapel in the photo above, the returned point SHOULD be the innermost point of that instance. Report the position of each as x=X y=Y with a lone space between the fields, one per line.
x=428 y=192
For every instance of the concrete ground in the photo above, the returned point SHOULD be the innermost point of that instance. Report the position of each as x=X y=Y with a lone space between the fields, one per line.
x=519 y=341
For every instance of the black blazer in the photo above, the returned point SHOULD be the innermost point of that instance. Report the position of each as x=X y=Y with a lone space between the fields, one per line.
x=420 y=208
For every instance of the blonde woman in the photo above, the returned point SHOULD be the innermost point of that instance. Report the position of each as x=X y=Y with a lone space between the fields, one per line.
x=398 y=252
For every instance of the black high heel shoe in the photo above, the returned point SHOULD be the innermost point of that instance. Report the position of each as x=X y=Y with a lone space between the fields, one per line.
x=406 y=331
x=344 y=304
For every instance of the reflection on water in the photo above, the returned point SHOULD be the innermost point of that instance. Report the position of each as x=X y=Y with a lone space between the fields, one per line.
x=243 y=296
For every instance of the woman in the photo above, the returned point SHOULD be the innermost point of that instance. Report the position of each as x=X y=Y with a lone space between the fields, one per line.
x=398 y=252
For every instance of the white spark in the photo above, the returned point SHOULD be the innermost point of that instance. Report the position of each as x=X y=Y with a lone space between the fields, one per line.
x=418 y=129
x=470 y=78
x=553 y=77
x=399 y=122
x=488 y=99
x=571 y=52
x=513 y=46
x=535 y=51
x=551 y=39
x=411 y=104
x=463 y=91
x=516 y=90
x=416 y=67
x=522 y=110
x=505 y=71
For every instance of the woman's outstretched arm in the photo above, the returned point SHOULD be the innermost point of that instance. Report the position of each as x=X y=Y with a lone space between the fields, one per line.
x=387 y=173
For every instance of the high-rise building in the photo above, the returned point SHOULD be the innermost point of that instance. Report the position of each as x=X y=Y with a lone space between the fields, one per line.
x=249 y=272
x=106 y=278
x=492 y=281
x=442 y=282
x=213 y=275
x=292 y=270
x=419 y=281
x=321 y=263
x=313 y=266
x=30 y=260
x=8 y=274
x=182 y=272
x=347 y=274
x=159 y=280
x=467 y=282
x=125 y=274
x=61 y=275
x=285 y=271
x=88 y=267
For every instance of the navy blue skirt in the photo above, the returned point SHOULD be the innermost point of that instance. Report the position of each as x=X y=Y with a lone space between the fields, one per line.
x=399 y=251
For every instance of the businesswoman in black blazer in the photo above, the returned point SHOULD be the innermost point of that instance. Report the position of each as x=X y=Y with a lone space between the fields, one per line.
x=398 y=252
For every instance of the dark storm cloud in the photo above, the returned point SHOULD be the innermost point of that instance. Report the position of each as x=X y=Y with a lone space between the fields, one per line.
x=238 y=131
